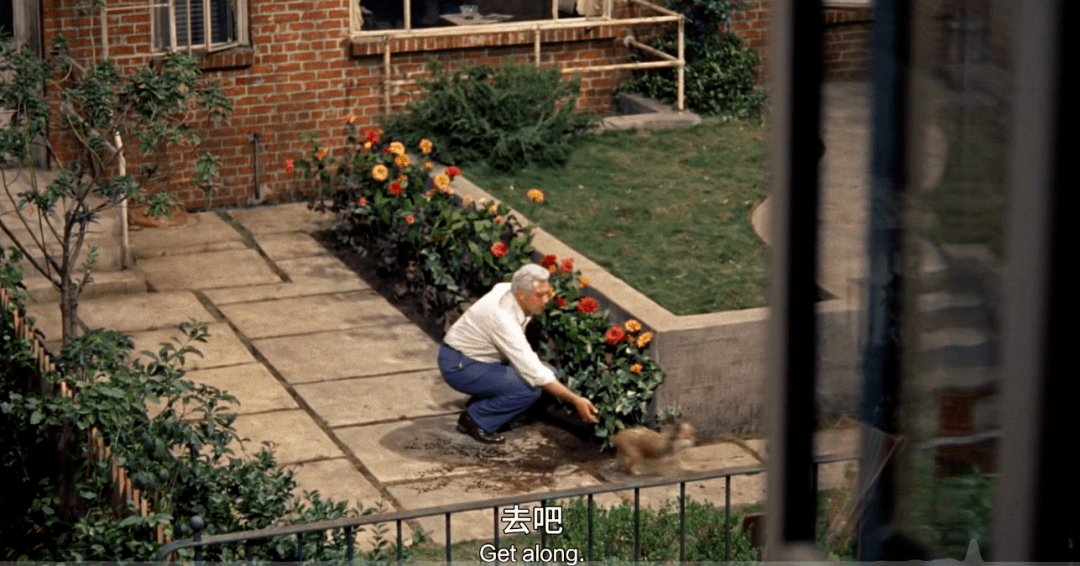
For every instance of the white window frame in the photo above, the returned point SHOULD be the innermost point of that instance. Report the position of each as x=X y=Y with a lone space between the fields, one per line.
x=208 y=45
x=356 y=21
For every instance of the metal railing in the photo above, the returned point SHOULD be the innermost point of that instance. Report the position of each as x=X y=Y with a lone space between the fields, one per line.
x=350 y=525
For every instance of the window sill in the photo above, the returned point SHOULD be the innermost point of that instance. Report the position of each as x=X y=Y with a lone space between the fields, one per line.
x=237 y=57
x=366 y=44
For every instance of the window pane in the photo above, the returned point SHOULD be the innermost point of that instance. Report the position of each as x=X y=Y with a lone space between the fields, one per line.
x=190 y=19
x=390 y=14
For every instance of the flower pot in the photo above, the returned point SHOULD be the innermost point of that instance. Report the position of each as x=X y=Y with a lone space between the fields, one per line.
x=139 y=216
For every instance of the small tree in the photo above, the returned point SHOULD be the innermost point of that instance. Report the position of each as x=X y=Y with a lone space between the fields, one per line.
x=100 y=108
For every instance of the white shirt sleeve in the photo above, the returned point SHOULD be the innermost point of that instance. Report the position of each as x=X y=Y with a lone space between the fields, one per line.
x=510 y=339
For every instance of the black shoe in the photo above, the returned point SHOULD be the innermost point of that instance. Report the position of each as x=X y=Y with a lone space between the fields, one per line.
x=468 y=426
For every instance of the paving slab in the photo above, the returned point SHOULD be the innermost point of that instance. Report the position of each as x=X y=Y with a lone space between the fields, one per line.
x=282 y=218
x=257 y=390
x=490 y=484
x=48 y=320
x=414 y=449
x=231 y=268
x=316 y=313
x=251 y=293
x=316 y=269
x=203 y=231
x=145 y=311
x=365 y=400
x=290 y=246
x=292 y=435
x=222 y=347
x=338 y=480
x=350 y=353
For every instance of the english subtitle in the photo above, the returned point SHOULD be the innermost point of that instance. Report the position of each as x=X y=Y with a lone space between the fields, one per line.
x=569 y=556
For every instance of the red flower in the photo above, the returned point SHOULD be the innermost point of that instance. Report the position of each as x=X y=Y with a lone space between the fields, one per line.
x=288 y=165
x=499 y=219
x=568 y=265
x=561 y=302
x=587 y=305
x=410 y=219
x=498 y=249
x=453 y=171
x=548 y=260
x=395 y=188
x=362 y=201
x=614 y=334
x=386 y=150
x=372 y=136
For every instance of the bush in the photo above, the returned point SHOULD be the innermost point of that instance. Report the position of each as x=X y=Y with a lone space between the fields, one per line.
x=55 y=496
x=507 y=116
x=613 y=535
x=719 y=73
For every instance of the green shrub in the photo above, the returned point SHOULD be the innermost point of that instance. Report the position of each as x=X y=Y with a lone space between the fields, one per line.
x=55 y=494
x=507 y=116
x=719 y=73
x=613 y=533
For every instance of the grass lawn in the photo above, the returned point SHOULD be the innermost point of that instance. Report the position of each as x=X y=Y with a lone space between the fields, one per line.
x=667 y=211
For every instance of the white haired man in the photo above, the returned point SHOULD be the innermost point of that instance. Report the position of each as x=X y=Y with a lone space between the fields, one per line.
x=486 y=355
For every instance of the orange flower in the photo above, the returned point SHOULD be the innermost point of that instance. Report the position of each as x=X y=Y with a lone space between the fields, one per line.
x=350 y=119
x=534 y=195
x=428 y=165
x=552 y=269
x=431 y=193
x=395 y=188
x=644 y=339
x=633 y=325
x=493 y=209
x=397 y=148
x=453 y=171
x=321 y=154
x=498 y=249
x=379 y=172
x=367 y=145
x=401 y=161
x=409 y=219
x=288 y=165
x=635 y=368
x=466 y=201
x=583 y=281
x=442 y=181
x=499 y=219
x=425 y=146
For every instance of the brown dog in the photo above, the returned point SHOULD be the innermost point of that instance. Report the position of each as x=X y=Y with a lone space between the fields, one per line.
x=639 y=445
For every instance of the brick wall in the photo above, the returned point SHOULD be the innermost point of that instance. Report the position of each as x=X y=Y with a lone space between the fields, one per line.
x=846 y=45
x=302 y=73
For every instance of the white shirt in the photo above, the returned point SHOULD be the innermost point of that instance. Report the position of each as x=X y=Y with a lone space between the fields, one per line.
x=492 y=330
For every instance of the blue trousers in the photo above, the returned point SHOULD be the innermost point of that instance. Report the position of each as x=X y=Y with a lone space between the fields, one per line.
x=499 y=393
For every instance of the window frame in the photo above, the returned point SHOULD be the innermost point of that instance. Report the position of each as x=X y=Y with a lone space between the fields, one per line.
x=356 y=21
x=208 y=46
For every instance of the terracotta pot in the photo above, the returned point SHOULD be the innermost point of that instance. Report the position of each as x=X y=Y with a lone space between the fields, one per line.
x=138 y=216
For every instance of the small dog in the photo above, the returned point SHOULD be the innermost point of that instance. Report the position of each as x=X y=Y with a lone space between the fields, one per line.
x=640 y=445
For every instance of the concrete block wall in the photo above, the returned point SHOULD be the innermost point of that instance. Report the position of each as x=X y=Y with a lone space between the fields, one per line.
x=303 y=73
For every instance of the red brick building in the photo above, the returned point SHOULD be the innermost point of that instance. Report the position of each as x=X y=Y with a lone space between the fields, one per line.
x=292 y=67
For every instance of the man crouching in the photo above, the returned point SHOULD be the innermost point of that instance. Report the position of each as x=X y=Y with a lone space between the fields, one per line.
x=485 y=354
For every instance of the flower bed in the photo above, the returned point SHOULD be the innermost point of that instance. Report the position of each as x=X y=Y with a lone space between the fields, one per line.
x=447 y=252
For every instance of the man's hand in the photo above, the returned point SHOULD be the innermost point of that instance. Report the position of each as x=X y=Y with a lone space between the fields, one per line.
x=587 y=411
x=584 y=407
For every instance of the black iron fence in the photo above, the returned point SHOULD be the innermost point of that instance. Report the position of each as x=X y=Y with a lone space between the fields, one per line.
x=351 y=525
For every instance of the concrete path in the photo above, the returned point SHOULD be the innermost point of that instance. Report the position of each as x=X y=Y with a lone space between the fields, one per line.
x=345 y=389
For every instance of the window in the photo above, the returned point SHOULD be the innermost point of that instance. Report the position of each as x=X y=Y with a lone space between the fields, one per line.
x=199 y=25
x=392 y=14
